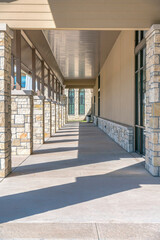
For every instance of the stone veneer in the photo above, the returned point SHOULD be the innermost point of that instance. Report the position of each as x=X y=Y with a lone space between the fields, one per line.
x=53 y=111
x=62 y=113
x=5 y=100
x=38 y=120
x=88 y=104
x=152 y=145
x=121 y=134
x=60 y=116
x=22 y=122
x=47 y=121
x=57 y=116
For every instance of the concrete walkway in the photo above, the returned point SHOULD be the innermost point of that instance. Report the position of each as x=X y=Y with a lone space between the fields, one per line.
x=80 y=185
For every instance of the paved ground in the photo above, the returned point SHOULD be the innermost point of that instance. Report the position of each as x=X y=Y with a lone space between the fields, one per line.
x=80 y=185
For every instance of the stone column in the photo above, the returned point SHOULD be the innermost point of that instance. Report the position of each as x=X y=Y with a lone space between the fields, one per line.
x=47 y=121
x=5 y=100
x=153 y=100
x=53 y=110
x=57 y=116
x=22 y=122
x=38 y=120
x=64 y=114
x=60 y=115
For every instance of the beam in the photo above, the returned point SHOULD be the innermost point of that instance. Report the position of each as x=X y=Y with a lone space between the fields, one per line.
x=53 y=87
x=18 y=60
x=49 y=84
x=42 y=80
x=105 y=14
x=78 y=14
x=33 y=69
x=79 y=83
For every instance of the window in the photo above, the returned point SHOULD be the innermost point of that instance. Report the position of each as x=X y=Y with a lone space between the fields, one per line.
x=71 y=107
x=140 y=96
x=94 y=108
x=99 y=80
x=140 y=35
x=81 y=102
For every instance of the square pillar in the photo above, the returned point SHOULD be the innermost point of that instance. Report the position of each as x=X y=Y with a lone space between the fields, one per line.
x=60 y=116
x=152 y=155
x=57 y=116
x=47 y=120
x=38 y=120
x=64 y=114
x=22 y=122
x=53 y=111
x=5 y=100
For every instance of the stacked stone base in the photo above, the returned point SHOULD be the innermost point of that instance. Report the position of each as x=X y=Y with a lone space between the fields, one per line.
x=22 y=122
x=38 y=120
x=121 y=134
x=53 y=124
x=47 y=118
x=155 y=171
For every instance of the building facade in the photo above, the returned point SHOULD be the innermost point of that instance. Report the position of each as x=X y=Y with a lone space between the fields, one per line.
x=116 y=58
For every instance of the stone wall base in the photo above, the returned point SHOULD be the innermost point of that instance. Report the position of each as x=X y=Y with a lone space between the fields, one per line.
x=155 y=171
x=121 y=134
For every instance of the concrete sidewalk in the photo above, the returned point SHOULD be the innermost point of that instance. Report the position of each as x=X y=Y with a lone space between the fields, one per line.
x=80 y=185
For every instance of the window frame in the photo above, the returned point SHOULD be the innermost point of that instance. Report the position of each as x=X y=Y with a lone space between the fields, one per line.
x=71 y=106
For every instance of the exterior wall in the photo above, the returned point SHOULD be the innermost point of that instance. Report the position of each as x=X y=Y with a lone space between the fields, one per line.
x=121 y=134
x=5 y=103
x=47 y=118
x=153 y=100
x=22 y=123
x=88 y=105
x=117 y=81
x=38 y=120
x=117 y=92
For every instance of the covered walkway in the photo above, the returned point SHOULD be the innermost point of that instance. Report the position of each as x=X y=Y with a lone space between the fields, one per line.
x=80 y=185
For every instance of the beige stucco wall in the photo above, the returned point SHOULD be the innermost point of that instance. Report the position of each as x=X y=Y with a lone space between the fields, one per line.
x=88 y=105
x=117 y=81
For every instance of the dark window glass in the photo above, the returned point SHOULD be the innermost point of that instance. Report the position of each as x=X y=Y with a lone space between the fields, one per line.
x=81 y=101
x=94 y=105
x=99 y=82
x=140 y=98
x=136 y=38
x=71 y=105
x=99 y=104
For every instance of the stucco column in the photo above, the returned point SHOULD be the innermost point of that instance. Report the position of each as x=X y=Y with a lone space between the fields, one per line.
x=47 y=121
x=5 y=100
x=38 y=120
x=153 y=100
x=53 y=111
x=22 y=122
